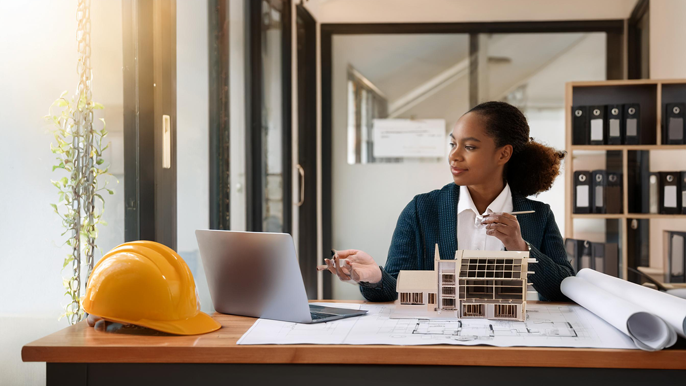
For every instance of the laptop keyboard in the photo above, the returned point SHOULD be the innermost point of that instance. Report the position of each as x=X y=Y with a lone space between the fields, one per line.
x=320 y=315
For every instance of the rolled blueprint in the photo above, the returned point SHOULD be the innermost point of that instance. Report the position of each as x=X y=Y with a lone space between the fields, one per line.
x=668 y=307
x=648 y=331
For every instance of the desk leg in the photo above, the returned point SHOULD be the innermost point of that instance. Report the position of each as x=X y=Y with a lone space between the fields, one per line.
x=67 y=374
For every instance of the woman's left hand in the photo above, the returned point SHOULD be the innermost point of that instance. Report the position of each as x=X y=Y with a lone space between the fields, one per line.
x=100 y=324
x=505 y=227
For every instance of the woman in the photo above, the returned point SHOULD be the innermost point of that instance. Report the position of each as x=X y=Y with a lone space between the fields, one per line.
x=495 y=166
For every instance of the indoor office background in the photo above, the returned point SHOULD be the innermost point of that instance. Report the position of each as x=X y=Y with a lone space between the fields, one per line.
x=274 y=104
x=424 y=76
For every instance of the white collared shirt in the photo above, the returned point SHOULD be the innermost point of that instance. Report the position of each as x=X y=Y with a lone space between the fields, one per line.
x=471 y=234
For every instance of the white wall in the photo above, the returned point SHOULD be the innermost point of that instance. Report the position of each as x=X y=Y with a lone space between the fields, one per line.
x=442 y=11
x=667 y=45
x=667 y=61
x=38 y=51
x=367 y=198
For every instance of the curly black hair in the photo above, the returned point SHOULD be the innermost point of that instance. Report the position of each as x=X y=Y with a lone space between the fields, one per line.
x=533 y=166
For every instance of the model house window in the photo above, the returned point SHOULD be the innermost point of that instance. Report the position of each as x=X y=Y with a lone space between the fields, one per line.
x=509 y=289
x=475 y=310
x=482 y=289
x=505 y=311
x=448 y=278
x=432 y=298
x=448 y=291
x=410 y=298
x=448 y=303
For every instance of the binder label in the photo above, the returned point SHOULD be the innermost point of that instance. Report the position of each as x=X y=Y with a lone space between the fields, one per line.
x=614 y=127
x=676 y=128
x=582 y=196
x=598 y=196
x=596 y=129
x=631 y=127
x=670 y=196
x=677 y=266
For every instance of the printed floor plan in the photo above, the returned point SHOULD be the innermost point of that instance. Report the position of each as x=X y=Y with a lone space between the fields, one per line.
x=546 y=325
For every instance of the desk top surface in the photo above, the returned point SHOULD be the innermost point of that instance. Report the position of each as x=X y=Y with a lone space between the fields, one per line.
x=82 y=344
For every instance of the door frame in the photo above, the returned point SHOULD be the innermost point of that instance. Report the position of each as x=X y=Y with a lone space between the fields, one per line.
x=219 y=114
x=254 y=161
x=635 y=52
x=615 y=30
x=306 y=88
x=149 y=78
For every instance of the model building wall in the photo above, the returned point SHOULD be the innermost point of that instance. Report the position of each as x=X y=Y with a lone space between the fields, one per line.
x=476 y=284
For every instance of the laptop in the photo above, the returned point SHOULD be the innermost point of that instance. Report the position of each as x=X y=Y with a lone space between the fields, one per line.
x=257 y=274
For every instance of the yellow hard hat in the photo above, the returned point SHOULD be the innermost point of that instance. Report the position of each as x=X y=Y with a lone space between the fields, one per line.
x=147 y=284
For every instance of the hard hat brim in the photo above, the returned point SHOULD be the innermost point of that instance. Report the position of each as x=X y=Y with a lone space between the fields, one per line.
x=198 y=324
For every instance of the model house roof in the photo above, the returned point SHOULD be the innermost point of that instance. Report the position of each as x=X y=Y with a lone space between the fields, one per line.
x=495 y=254
x=416 y=281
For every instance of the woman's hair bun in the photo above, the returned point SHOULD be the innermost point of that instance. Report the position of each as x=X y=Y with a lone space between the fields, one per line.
x=533 y=167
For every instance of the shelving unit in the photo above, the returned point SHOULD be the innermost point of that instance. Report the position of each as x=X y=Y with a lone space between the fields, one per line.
x=650 y=94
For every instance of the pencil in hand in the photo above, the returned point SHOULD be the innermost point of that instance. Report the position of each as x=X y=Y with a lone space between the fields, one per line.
x=325 y=267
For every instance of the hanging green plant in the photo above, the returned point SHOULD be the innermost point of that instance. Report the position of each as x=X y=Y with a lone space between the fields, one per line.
x=79 y=153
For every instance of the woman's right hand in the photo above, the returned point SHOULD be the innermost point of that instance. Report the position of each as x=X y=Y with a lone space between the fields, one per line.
x=360 y=266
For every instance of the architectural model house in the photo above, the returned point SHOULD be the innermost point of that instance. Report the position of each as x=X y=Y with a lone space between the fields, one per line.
x=476 y=284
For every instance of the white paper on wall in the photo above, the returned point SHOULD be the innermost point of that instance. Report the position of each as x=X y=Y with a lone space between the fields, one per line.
x=409 y=138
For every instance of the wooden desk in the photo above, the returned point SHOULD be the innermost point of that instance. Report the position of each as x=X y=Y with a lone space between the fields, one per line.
x=79 y=355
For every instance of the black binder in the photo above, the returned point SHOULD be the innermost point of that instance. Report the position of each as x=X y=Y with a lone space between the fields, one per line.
x=638 y=246
x=599 y=185
x=598 y=125
x=583 y=195
x=632 y=124
x=580 y=128
x=670 y=192
x=604 y=258
x=611 y=259
x=615 y=133
x=654 y=192
x=638 y=181
x=683 y=192
x=613 y=193
x=586 y=260
x=598 y=256
x=676 y=256
x=574 y=248
x=673 y=124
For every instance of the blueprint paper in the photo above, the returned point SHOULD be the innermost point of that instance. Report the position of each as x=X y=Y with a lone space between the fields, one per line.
x=647 y=330
x=668 y=307
x=350 y=306
x=546 y=326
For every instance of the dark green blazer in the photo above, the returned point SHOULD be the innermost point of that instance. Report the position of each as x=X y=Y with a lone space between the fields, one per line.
x=431 y=218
